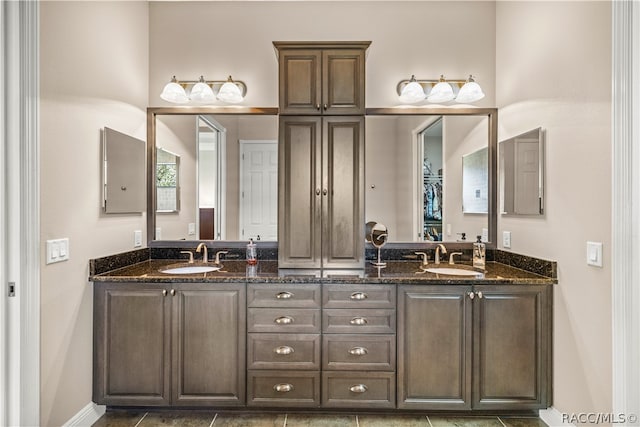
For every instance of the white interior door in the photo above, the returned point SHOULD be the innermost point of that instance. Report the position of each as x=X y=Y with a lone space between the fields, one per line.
x=526 y=177
x=258 y=190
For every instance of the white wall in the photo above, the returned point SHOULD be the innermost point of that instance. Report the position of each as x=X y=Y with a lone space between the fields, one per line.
x=94 y=70
x=553 y=69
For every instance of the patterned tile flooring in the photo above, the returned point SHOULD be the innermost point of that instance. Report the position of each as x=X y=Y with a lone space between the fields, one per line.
x=117 y=418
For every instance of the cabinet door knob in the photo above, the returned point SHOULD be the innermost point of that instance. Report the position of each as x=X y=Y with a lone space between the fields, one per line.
x=284 y=295
x=317 y=191
x=358 y=351
x=283 y=350
x=358 y=388
x=325 y=192
x=325 y=106
x=358 y=321
x=173 y=292
x=284 y=320
x=359 y=296
x=479 y=294
x=318 y=107
x=472 y=295
x=164 y=292
x=283 y=388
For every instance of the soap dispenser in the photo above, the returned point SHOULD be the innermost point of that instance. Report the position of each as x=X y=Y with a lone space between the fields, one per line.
x=479 y=253
x=252 y=253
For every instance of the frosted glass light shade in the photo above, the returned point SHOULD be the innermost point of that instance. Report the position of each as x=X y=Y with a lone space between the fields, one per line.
x=470 y=92
x=230 y=92
x=441 y=92
x=173 y=92
x=202 y=92
x=412 y=93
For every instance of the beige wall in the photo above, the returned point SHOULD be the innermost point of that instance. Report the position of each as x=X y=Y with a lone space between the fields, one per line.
x=553 y=70
x=216 y=39
x=93 y=73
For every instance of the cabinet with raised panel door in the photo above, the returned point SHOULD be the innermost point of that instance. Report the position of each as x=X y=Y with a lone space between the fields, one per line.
x=474 y=347
x=321 y=197
x=321 y=78
x=154 y=344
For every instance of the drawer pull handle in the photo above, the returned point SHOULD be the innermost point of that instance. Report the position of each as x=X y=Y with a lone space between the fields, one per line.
x=359 y=296
x=358 y=351
x=283 y=350
x=284 y=320
x=284 y=295
x=283 y=388
x=359 y=388
x=358 y=321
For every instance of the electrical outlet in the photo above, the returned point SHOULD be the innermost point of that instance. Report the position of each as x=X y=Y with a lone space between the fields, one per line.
x=192 y=228
x=158 y=233
x=137 y=238
x=448 y=229
x=57 y=250
x=506 y=239
x=485 y=235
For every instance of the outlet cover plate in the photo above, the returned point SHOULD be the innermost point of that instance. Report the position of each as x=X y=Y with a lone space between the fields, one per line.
x=506 y=239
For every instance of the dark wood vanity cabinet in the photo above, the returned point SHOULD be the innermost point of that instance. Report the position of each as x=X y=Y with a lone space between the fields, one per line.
x=481 y=347
x=322 y=78
x=321 y=192
x=160 y=345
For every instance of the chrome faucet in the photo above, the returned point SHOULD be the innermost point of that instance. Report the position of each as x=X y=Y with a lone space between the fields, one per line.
x=205 y=255
x=439 y=247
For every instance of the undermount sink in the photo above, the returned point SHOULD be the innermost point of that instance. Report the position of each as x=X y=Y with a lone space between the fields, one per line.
x=450 y=271
x=190 y=269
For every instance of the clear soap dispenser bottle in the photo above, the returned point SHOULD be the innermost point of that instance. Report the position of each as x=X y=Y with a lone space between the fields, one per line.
x=252 y=253
x=479 y=253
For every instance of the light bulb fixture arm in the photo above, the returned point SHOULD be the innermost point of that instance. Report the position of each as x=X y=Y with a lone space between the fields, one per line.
x=426 y=84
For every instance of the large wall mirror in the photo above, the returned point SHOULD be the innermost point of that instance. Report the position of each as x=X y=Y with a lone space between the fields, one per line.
x=227 y=173
x=430 y=175
x=414 y=172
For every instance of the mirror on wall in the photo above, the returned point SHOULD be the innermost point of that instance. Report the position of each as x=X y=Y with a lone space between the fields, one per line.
x=414 y=172
x=418 y=170
x=123 y=177
x=227 y=176
x=521 y=167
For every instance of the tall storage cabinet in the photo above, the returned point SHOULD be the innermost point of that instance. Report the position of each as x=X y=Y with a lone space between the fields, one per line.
x=321 y=155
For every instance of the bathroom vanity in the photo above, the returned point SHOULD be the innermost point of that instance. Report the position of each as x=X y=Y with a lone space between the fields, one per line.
x=392 y=339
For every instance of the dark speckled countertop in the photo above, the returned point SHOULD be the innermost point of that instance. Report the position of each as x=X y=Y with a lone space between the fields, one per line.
x=396 y=272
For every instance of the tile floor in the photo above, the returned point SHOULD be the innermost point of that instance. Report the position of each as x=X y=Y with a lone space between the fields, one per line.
x=222 y=419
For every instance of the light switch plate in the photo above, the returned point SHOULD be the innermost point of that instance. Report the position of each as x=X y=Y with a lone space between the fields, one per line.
x=57 y=250
x=485 y=235
x=506 y=239
x=594 y=254
x=158 y=233
x=192 y=228
x=137 y=238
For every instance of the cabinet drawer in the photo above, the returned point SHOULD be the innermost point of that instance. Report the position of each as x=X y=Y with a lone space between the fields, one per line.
x=302 y=320
x=367 y=321
x=283 y=388
x=354 y=296
x=359 y=352
x=283 y=351
x=286 y=295
x=358 y=389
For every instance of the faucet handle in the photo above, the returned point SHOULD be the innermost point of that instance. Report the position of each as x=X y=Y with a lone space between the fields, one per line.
x=190 y=255
x=451 y=260
x=424 y=258
x=217 y=260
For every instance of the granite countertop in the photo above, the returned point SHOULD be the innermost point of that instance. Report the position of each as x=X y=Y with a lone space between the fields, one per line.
x=396 y=272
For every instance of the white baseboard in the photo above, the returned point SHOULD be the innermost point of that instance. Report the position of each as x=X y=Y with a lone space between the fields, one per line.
x=552 y=417
x=87 y=416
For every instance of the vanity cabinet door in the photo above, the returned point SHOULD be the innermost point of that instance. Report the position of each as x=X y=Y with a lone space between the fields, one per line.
x=131 y=357
x=300 y=81
x=321 y=192
x=209 y=336
x=434 y=347
x=343 y=81
x=512 y=333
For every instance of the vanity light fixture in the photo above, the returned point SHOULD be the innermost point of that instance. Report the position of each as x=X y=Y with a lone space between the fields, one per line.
x=464 y=91
x=204 y=91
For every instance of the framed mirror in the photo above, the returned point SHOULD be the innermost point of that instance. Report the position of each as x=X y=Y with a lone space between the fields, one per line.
x=167 y=181
x=521 y=165
x=226 y=174
x=417 y=160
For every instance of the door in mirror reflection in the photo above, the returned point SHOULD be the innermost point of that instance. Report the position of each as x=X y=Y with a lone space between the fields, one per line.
x=431 y=173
